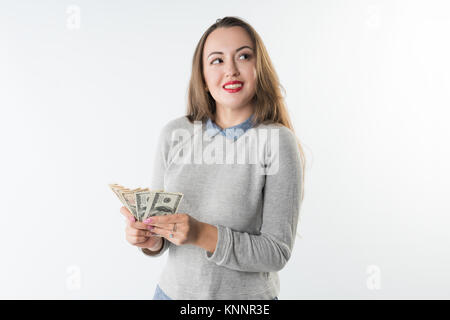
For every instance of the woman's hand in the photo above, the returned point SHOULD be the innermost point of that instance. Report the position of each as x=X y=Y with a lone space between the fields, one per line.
x=137 y=233
x=185 y=229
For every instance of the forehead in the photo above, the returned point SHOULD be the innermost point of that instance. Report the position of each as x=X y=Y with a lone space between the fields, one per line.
x=227 y=39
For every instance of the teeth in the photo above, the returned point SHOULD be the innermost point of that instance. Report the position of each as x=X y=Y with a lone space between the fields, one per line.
x=233 y=86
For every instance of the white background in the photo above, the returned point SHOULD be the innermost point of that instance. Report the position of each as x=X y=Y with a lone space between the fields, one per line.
x=367 y=86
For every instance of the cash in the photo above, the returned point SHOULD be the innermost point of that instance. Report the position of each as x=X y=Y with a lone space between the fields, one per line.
x=145 y=203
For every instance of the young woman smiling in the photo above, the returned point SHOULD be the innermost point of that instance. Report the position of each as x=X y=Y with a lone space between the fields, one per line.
x=236 y=227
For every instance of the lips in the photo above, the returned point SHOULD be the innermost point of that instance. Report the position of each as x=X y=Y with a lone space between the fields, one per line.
x=235 y=89
x=232 y=82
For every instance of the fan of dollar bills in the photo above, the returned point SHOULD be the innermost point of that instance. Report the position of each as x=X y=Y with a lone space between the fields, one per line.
x=144 y=203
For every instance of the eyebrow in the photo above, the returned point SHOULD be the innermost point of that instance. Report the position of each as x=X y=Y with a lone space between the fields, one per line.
x=218 y=52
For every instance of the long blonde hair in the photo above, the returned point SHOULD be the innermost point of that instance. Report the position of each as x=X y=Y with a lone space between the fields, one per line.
x=269 y=104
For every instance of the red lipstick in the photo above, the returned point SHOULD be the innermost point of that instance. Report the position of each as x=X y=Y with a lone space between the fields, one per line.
x=233 y=90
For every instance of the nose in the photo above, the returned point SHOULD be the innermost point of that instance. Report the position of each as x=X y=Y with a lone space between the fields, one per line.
x=231 y=69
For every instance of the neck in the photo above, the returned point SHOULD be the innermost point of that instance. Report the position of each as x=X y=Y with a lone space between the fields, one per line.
x=226 y=117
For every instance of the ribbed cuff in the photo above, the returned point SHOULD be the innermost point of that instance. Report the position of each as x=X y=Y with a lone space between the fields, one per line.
x=156 y=253
x=224 y=242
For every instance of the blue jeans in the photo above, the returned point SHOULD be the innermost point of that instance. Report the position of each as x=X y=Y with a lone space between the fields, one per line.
x=160 y=295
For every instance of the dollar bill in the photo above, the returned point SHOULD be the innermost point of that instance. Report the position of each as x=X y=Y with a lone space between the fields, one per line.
x=143 y=198
x=144 y=203
x=115 y=188
x=130 y=201
x=163 y=203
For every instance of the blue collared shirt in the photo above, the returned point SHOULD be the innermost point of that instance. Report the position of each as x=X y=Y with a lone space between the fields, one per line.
x=232 y=133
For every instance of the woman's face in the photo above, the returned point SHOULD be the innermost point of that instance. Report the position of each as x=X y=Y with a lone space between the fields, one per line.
x=229 y=55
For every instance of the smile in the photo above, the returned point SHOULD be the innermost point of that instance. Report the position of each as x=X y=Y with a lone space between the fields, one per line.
x=235 y=87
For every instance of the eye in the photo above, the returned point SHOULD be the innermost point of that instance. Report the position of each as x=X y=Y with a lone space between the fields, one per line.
x=243 y=54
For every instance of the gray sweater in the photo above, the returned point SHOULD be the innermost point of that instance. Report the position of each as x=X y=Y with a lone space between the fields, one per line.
x=255 y=206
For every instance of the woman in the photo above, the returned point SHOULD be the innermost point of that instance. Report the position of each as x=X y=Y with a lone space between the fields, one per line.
x=236 y=224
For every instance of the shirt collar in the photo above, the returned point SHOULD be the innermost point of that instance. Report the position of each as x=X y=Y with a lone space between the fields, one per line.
x=232 y=133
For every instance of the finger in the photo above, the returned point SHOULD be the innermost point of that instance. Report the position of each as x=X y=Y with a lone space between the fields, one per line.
x=139 y=233
x=166 y=226
x=139 y=225
x=163 y=232
x=127 y=214
x=142 y=245
x=132 y=220
x=170 y=218
x=136 y=240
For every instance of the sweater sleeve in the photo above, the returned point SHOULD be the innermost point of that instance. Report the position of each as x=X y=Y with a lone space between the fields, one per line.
x=271 y=249
x=157 y=180
x=165 y=246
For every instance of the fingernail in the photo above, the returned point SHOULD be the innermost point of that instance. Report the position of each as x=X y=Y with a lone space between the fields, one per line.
x=132 y=219
x=149 y=220
x=150 y=227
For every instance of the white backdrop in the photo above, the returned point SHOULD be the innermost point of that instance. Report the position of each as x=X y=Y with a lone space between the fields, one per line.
x=86 y=86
